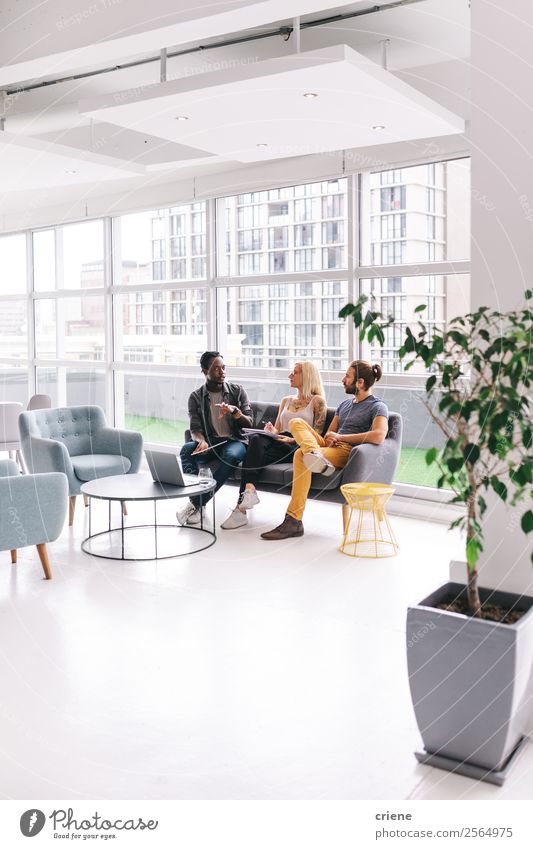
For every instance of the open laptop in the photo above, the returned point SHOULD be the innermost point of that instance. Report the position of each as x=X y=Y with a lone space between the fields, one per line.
x=166 y=468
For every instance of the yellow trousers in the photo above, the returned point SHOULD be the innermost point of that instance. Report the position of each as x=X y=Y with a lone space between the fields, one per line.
x=309 y=440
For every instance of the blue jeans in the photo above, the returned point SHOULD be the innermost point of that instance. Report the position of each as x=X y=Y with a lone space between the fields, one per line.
x=229 y=456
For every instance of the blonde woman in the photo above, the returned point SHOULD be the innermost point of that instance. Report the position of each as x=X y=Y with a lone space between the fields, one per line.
x=309 y=404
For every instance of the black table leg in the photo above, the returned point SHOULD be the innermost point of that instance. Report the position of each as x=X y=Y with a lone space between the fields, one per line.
x=122 y=526
x=155 y=527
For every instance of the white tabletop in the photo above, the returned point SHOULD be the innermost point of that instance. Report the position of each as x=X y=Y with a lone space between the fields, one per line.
x=140 y=488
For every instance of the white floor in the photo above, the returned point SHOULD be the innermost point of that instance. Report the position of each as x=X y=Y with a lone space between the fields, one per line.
x=253 y=670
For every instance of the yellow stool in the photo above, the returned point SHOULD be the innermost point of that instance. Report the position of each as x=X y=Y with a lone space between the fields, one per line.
x=374 y=536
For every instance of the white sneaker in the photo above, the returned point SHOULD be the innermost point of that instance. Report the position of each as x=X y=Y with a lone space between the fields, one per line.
x=316 y=462
x=190 y=514
x=236 y=519
x=248 y=499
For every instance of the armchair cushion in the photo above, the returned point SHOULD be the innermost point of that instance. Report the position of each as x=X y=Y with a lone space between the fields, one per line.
x=87 y=467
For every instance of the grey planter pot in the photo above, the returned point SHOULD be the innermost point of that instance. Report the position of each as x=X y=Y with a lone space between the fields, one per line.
x=471 y=683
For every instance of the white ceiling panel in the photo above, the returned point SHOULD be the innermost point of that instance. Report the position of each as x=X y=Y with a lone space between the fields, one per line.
x=235 y=112
x=27 y=163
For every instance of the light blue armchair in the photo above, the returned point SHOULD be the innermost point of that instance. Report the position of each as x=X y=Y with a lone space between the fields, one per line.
x=78 y=442
x=32 y=510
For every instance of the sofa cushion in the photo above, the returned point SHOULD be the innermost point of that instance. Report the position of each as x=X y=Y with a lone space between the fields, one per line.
x=87 y=467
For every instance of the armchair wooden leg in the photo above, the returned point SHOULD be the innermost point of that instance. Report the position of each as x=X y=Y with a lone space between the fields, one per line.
x=13 y=555
x=43 y=556
x=124 y=509
x=86 y=500
x=71 y=508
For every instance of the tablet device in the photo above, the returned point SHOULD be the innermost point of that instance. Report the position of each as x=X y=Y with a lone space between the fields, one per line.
x=207 y=450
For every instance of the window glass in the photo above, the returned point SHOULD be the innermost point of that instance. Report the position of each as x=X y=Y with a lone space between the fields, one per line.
x=445 y=297
x=161 y=327
x=13 y=264
x=14 y=329
x=70 y=328
x=14 y=383
x=272 y=326
x=266 y=233
x=417 y=214
x=162 y=245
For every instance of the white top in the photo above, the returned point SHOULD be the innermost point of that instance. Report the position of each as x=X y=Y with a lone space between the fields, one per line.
x=307 y=414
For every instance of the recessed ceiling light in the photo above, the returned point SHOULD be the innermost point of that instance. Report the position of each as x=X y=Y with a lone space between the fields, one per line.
x=69 y=171
x=378 y=127
x=310 y=94
x=262 y=144
x=182 y=117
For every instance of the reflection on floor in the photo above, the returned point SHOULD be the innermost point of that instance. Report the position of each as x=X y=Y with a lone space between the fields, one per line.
x=252 y=670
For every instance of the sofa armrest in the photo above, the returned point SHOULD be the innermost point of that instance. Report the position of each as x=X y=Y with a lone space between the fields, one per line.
x=33 y=509
x=127 y=443
x=372 y=463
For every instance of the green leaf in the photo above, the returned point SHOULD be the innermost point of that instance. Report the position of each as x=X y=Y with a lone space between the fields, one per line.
x=431 y=456
x=473 y=548
x=471 y=453
x=420 y=308
x=523 y=474
x=430 y=382
x=499 y=487
x=346 y=311
x=527 y=522
x=455 y=463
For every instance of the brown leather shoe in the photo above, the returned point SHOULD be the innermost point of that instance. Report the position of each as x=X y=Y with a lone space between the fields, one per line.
x=289 y=528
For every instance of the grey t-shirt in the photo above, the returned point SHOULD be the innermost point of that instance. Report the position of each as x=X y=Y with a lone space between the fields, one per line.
x=221 y=425
x=358 y=417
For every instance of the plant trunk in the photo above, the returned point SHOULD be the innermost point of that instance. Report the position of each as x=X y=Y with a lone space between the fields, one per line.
x=474 y=602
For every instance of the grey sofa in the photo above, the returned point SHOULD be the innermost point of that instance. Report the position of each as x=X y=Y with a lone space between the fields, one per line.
x=375 y=463
x=78 y=442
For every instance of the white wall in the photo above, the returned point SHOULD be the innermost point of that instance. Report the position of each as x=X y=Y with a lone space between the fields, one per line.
x=502 y=216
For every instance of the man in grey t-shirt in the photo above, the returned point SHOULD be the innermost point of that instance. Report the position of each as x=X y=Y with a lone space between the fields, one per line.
x=363 y=419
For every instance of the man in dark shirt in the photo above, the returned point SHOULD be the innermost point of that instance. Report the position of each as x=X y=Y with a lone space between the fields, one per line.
x=218 y=411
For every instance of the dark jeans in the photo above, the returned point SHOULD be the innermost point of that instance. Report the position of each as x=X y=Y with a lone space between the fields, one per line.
x=263 y=451
x=229 y=455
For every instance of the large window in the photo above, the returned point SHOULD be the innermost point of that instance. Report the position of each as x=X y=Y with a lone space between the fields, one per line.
x=117 y=311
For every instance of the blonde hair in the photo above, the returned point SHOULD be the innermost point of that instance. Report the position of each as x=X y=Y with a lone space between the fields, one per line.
x=312 y=382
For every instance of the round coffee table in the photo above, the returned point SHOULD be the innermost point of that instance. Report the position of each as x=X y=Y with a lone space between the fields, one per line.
x=141 y=487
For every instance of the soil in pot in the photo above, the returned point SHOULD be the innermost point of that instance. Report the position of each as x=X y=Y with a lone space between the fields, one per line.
x=492 y=612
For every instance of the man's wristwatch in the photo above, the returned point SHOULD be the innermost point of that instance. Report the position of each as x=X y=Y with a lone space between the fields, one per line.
x=235 y=412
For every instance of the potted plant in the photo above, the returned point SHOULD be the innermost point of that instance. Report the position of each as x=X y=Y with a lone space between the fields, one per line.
x=470 y=650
